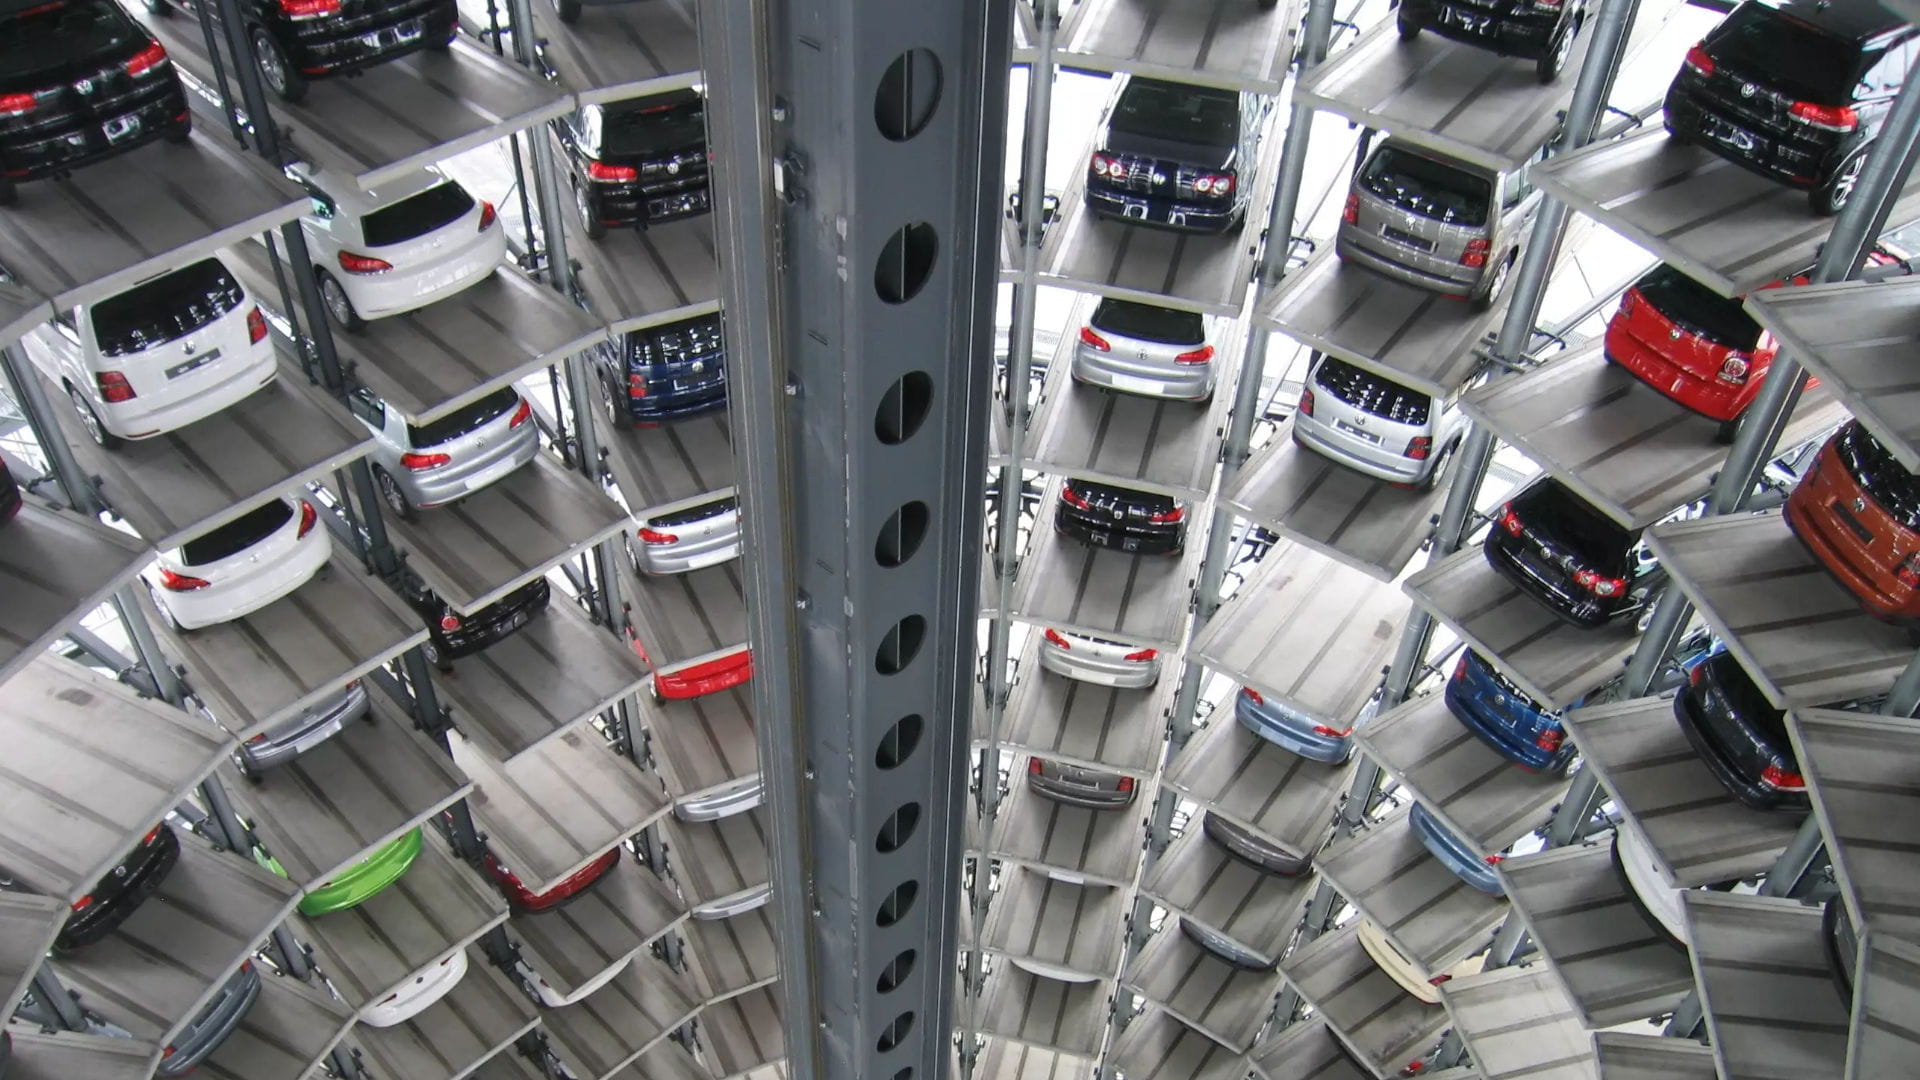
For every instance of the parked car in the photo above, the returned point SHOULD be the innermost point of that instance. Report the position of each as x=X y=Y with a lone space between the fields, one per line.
x=1173 y=155
x=1657 y=900
x=689 y=535
x=1409 y=974
x=1700 y=348
x=287 y=739
x=1456 y=854
x=1224 y=947
x=1075 y=785
x=726 y=907
x=1145 y=349
x=525 y=901
x=80 y=82
x=1506 y=718
x=10 y=497
x=1099 y=660
x=451 y=635
x=239 y=567
x=642 y=161
x=1842 y=946
x=1857 y=511
x=1436 y=222
x=398 y=247
x=1373 y=425
x=298 y=40
x=356 y=884
x=427 y=986
x=1253 y=849
x=1795 y=90
x=1292 y=730
x=663 y=372
x=551 y=997
x=737 y=797
x=1539 y=30
x=174 y=348
x=1109 y=516
x=1738 y=735
x=1580 y=564
x=418 y=466
x=124 y=888
x=216 y=1020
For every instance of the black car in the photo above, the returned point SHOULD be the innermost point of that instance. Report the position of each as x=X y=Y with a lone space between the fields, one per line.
x=1794 y=90
x=1138 y=522
x=115 y=896
x=1581 y=564
x=664 y=372
x=10 y=500
x=80 y=81
x=451 y=635
x=1173 y=155
x=1539 y=30
x=637 y=162
x=1738 y=735
x=298 y=40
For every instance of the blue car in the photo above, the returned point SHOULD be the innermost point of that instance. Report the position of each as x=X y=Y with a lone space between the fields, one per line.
x=1290 y=730
x=1516 y=726
x=663 y=372
x=1454 y=854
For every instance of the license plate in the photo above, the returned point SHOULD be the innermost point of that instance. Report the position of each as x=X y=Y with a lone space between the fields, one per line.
x=1131 y=385
x=1134 y=208
x=121 y=128
x=402 y=34
x=1468 y=21
x=1406 y=239
x=519 y=620
x=1852 y=523
x=1720 y=130
x=1356 y=431
x=317 y=736
x=197 y=362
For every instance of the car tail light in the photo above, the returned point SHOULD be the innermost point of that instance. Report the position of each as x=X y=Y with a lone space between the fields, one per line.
x=1089 y=338
x=1547 y=5
x=1169 y=517
x=655 y=536
x=423 y=462
x=1825 y=117
x=167 y=1053
x=173 y=582
x=1549 y=739
x=448 y=960
x=256 y=326
x=1073 y=498
x=257 y=740
x=363 y=264
x=1733 y=371
x=12 y=105
x=1306 y=402
x=1125 y=784
x=612 y=174
x=152 y=834
x=114 y=386
x=1460 y=669
x=1057 y=640
x=1781 y=779
x=522 y=414
x=1107 y=165
x=1252 y=695
x=308 y=516
x=1599 y=584
x=1509 y=520
x=1332 y=732
x=146 y=60
x=449 y=623
x=636 y=385
x=390 y=997
x=1034 y=767
x=1215 y=184
x=1198 y=356
x=1141 y=656
x=1351 y=214
x=1698 y=60
x=1495 y=860
x=1908 y=572
x=1419 y=447
x=83 y=903
x=487 y=216
x=1629 y=302
x=1696 y=674
x=309 y=9
x=1440 y=980
x=1476 y=253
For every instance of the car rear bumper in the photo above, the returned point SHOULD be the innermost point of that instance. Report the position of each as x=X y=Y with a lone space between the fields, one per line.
x=325 y=51
x=361 y=882
x=738 y=904
x=280 y=747
x=703 y=677
x=42 y=153
x=1466 y=865
x=1080 y=665
x=1708 y=397
x=1164 y=213
x=1501 y=736
x=217 y=603
x=377 y=296
x=146 y=417
x=212 y=1028
x=1794 y=162
x=1291 y=733
x=418 y=993
x=1361 y=457
x=736 y=798
x=100 y=919
x=1745 y=789
x=686 y=556
x=1081 y=795
x=1872 y=585
x=1184 y=382
x=1566 y=600
x=1356 y=247
x=1093 y=529
x=457 y=480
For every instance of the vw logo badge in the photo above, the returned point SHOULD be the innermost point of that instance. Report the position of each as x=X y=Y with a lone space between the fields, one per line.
x=673 y=167
x=1859 y=505
x=699 y=366
x=1674 y=334
x=1748 y=89
x=85 y=86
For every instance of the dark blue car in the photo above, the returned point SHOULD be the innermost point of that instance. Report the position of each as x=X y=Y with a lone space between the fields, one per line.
x=665 y=372
x=1516 y=726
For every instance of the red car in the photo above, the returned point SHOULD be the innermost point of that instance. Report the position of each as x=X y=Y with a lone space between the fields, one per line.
x=525 y=902
x=1858 y=511
x=1700 y=348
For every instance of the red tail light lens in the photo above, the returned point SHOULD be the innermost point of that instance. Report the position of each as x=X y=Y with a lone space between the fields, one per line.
x=1460 y=669
x=1332 y=732
x=1107 y=165
x=114 y=386
x=1825 y=117
x=1093 y=340
x=1306 y=402
x=1733 y=371
x=1252 y=695
x=1034 y=767
x=1509 y=520
x=1214 y=184
x=173 y=582
x=83 y=903
x=1908 y=571
x=1169 y=517
x=1057 y=640
x=522 y=414
x=612 y=174
x=1598 y=584
x=1141 y=656
x=1351 y=215
x=1698 y=60
x=1419 y=447
x=422 y=462
x=1073 y=498
x=636 y=385
x=12 y=105
x=256 y=326
x=449 y=623
x=146 y=60
x=1495 y=860
x=152 y=834
x=363 y=264
x=1125 y=784
x=1780 y=779
x=1198 y=356
x=1549 y=739
x=487 y=216
x=308 y=518
x=655 y=536
x=1476 y=253
x=309 y=9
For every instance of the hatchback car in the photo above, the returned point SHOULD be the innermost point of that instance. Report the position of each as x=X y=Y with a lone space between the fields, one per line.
x=424 y=465
x=115 y=896
x=737 y=797
x=1224 y=947
x=172 y=349
x=1253 y=849
x=398 y=247
x=525 y=901
x=1173 y=155
x=1135 y=522
x=550 y=995
x=289 y=738
x=1454 y=853
x=1857 y=511
x=1145 y=349
x=1510 y=722
x=1099 y=660
x=1738 y=734
x=1580 y=564
x=642 y=161
x=1407 y=973
x=239 y=567
x=663 y=372
x=1795 y=90
x=427 y=986
x=1539 y=30
x=80 y=82
x=298 y=40
x=1291 y=730
x=362 y=881
x=688 y=535
x=452 y=635
x=1373 y=425
x=216 y=1020
x=1075 y=785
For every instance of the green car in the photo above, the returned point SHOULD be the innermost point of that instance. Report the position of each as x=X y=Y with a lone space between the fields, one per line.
x=357 y=883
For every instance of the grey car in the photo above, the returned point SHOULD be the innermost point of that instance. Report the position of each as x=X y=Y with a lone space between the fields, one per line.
x=289 y=738
x=1374 y=425
x=688 y=535
x=204 y=1034
x=1145 y=349
x=1224 y=947
x=1249 y=847
x=1435 y=222
x=1077 y=786
x=449 y=458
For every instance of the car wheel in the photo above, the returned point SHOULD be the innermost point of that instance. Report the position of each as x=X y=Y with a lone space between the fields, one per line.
x=610 y=398
x=160 y=606
x=569 y=10
x=391 y=494
x=90 y=420
x=275 y=70
x=1408 y=25
x=240 y=762
x=1829 y=195
x=1552 y=62
x=1723 y=434
x=9 y=192
x=339 y=304
x=1486 y=300
x=181 y=132
x=1438 y=474
x=435 y=657
x=589 y=220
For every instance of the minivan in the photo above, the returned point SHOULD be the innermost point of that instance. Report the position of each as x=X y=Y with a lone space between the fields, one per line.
x=1373 y=425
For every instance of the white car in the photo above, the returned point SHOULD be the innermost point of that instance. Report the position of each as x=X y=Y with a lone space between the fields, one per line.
x=399 y=247
x=1647 y=883
x=1098 y=660
x=553 y=998
x=173 y=349
x=241 y=566
x=1408 y=974
x=427 y=986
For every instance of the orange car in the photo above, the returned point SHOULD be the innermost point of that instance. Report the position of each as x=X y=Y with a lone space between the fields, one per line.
x=1858 y=511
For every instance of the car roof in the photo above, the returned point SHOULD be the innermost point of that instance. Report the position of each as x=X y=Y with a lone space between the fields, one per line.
x=1855 y=20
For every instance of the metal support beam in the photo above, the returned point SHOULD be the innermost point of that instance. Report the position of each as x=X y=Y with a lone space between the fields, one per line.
x=58 y=1001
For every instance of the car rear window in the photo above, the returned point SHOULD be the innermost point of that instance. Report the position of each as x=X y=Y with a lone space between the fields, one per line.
x=639 y=128
x=1789 y=55
x=675 y=343
x=237 y=535
x=416 y=215
x=1201 y=115
x=167 y=307
x=1891 y=485
x=43 y=38
x=694 y=514
x=1371 y=393
x=1698 y=309
x=1601 y=542
x=1149 y=322
x=1108 y=497
x=464 y=419
x=1746 y=697
x=1431 y=189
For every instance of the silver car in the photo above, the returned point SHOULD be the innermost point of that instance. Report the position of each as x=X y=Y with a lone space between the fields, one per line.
x=736 y=798
x=1251 y=847
x=1097 y=660
x=301 y=732
x=1371 y=424
x=1093 y=789
x=217 y=1020
x=1434 y=222
x=689 y=535
x=1145 y=349
x=431 y=464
